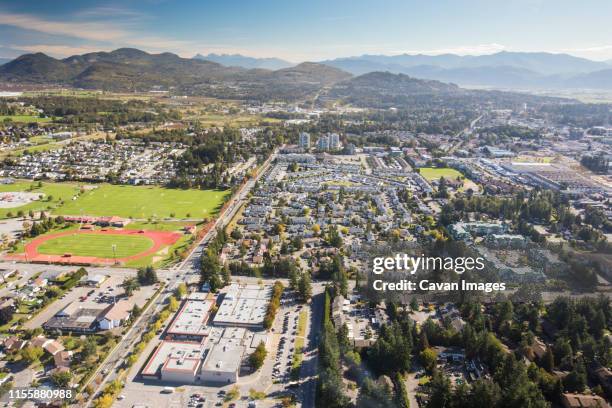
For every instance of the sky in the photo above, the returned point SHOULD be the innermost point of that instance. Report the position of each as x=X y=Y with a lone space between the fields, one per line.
x=307 y=30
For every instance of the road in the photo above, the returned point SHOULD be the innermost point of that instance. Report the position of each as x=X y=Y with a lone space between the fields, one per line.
x=186 y=271
x=308 y=370
x=461 y=133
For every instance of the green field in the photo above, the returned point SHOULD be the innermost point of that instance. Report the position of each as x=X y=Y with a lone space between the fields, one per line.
x=55 y=191
x=96 y=245
x=145 y=202
x=24 y=118
x=434 y=173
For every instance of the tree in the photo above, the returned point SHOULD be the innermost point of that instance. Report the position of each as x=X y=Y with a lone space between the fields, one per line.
x=105 y=401
x=181 y=290
x=129 y=285
x=441 y=394
x=173 y=304
x=548 y=360
x=576 y=380
x=294 y=278
x=305 y=287
x=61 y=379
x=6 y=315
x=333 y=237
x=428 y=358
x=89 y=349
x=31 y=354
x=257 y=358
x=147 y=276
x=414 y=304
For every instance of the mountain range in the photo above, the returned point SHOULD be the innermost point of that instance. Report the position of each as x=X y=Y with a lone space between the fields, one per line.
x=131 y=69
x=237 y=60
x=4 y=60
x=501 y=70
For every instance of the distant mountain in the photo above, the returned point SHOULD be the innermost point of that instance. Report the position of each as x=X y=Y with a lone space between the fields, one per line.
x=384 y=89
x=592 y=80
x=123 y=69
x=4 y=60
x=504 y=69
x=130 y=69
x=237 y=60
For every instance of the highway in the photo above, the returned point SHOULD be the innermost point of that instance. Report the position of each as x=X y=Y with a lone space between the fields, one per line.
x=186 y=271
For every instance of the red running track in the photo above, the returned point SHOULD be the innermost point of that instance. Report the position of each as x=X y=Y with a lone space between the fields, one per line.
x=160 y=239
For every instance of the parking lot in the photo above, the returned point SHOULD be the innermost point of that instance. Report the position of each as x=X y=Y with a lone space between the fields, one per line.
x=274 y=378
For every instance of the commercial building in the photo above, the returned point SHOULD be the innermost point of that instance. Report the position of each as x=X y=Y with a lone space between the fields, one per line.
x=175 y=361
x=77 y=318
x=190 y=322
x=222 y=364
x=243 y=306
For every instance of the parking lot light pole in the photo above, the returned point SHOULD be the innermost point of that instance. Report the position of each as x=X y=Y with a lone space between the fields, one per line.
x=115 y=253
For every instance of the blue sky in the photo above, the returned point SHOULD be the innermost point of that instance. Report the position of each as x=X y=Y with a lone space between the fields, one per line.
x=313 y=30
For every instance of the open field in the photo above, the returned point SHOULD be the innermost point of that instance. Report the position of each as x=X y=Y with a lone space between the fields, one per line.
x=433 y=173
x=55 y=191
x=24 y=119
x=145 y=202
x=96 y=245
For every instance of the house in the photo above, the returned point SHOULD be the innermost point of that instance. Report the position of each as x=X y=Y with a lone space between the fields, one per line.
x=603 y=376
x=38 y=284
x=14 y=344
x=569 y=400
x=53 y=347
x=116 y=315
x=63 y=359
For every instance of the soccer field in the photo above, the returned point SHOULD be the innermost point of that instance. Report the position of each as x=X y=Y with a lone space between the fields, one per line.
x=55 y=191
x=434 y=173
x=100 y=246
x=145 y=202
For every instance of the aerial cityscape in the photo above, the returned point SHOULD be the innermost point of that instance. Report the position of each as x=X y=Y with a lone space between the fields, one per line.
x=349 y=205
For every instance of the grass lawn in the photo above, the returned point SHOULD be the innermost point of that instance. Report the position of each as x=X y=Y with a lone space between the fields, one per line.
x=141 y=202
x=434 y=173
x=96 y=245
x=24 y=118
x=157 y=225
x=57 y=192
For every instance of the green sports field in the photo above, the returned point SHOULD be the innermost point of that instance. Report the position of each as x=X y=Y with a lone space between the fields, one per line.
x=96 y=245
x=55 y=191
x=145 y=202
x=24 y=119
x=434 y=173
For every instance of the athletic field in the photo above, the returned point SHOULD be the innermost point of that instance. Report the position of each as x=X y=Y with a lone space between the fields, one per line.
x=100 y=246
x=434 y=173
x=56 y=191
x=133 y=247
x=145 y=202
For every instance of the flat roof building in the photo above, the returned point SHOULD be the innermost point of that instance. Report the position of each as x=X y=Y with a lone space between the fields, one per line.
x=244 y=306
x=222 y=364
x=176 y=361
x=190 y=322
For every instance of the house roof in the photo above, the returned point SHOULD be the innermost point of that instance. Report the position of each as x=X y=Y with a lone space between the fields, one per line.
x=120 y=311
